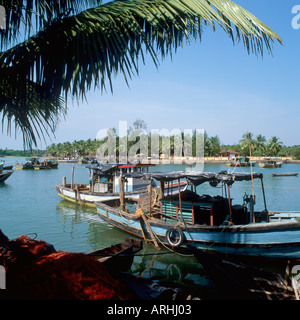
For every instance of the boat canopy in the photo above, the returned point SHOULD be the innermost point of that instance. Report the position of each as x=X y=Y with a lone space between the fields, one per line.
x=105 y=170
x=197 y=178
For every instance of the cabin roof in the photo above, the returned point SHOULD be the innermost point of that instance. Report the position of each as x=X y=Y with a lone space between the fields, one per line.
x=197 y=178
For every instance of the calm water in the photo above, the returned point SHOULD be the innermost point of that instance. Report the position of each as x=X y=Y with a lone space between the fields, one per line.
x=30 y=205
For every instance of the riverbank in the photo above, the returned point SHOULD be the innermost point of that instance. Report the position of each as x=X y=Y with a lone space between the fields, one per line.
x=191 y=160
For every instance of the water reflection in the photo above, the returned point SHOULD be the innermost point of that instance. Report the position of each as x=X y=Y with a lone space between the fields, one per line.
x=165 y=267
x=171 y=269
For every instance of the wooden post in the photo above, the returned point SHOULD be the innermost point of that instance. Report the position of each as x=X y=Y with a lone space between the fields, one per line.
x=180 y=207
x=161 y=189
x=150 y=231
x=64 y=181
x=263 y=191
x=72 y=180
x=229 y=202
x=121 y=192
x=211 y=216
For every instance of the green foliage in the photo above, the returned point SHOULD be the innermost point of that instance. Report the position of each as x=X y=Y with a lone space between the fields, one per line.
x=54 y=49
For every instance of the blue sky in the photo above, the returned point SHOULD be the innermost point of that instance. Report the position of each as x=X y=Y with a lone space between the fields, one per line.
x=213 y=85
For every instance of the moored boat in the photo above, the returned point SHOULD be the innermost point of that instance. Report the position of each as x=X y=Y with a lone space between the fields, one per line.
x=104 y=184
x=270 y=163
x=118 y=256
x=29 y=164
x=5 y=175
x=240 y=162
x=210 y=223
x=292 y=174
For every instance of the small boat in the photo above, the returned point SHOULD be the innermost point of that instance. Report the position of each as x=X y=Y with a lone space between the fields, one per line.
x=29 y=164
x=271 y=163
x=207 y=222
x=5 y=175
x=3 y=167
x=285 y=174
x=119 y=256
x=238 y=280
x=87 y=160
x=104 y=184
x=240 y=162
x=8 y=167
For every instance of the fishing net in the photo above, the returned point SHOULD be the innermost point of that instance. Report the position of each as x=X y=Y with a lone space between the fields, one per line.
x=34 y=270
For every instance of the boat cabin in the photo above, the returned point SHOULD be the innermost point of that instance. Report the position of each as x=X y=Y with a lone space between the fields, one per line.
x=192 y=208
x=106 y=178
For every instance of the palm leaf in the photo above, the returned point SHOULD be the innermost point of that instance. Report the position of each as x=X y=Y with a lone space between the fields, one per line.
x=92 y=46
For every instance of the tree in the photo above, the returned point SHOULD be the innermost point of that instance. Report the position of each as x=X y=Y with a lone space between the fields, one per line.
x=274 y=146
x=69 y=47
x=260 y=143
x=214 y=145
x=247 y=142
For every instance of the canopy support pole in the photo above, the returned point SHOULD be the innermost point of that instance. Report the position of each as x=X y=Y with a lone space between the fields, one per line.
x=180 y=206
x=263 y=191
x=229 y=202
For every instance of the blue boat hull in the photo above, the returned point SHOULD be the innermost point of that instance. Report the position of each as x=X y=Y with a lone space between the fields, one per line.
x=270 y=239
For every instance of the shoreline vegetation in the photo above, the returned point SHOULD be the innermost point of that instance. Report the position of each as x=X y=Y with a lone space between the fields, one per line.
x=176 y=148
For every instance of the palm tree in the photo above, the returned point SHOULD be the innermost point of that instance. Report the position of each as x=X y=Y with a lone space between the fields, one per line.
x=70 y=47
x=260 y=143
x=214 y=145
x=274 y=146
x=247 y=142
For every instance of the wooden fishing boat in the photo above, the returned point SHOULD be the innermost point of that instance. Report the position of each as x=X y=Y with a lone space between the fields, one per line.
x=270 y=163
x=8 y=167
x=118 y=256
x=5 y=175
x=240 y=162
x=238 y=280
x=29 y=164
x=211 y=223
x=4 y=167
x=285 y=174
x=104 y=184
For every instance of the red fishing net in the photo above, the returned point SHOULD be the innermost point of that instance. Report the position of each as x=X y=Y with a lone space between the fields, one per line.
x=35 y=271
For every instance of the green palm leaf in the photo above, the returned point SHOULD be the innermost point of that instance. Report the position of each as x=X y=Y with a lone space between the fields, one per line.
x=93 y=45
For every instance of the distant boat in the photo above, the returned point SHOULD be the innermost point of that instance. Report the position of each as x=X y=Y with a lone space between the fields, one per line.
x=5 y=175
x=36 y=164
x=1 y=165
x=285 y=174
x=28 y=165
x=240 y=162
x=270 y=163
x=7 y=167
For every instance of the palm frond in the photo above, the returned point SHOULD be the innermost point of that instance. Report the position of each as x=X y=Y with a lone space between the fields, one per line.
x=29 y=109
x=26 y=16
x=70 y=55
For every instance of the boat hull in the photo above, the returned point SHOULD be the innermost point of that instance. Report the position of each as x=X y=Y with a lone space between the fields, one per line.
x=275 y=239
x=89 y=198
x=5 y=175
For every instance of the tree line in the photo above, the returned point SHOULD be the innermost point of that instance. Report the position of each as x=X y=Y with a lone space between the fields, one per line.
x=259 y=145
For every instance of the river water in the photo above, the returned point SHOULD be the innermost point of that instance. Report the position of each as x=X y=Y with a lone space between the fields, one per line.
x=31 y=206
